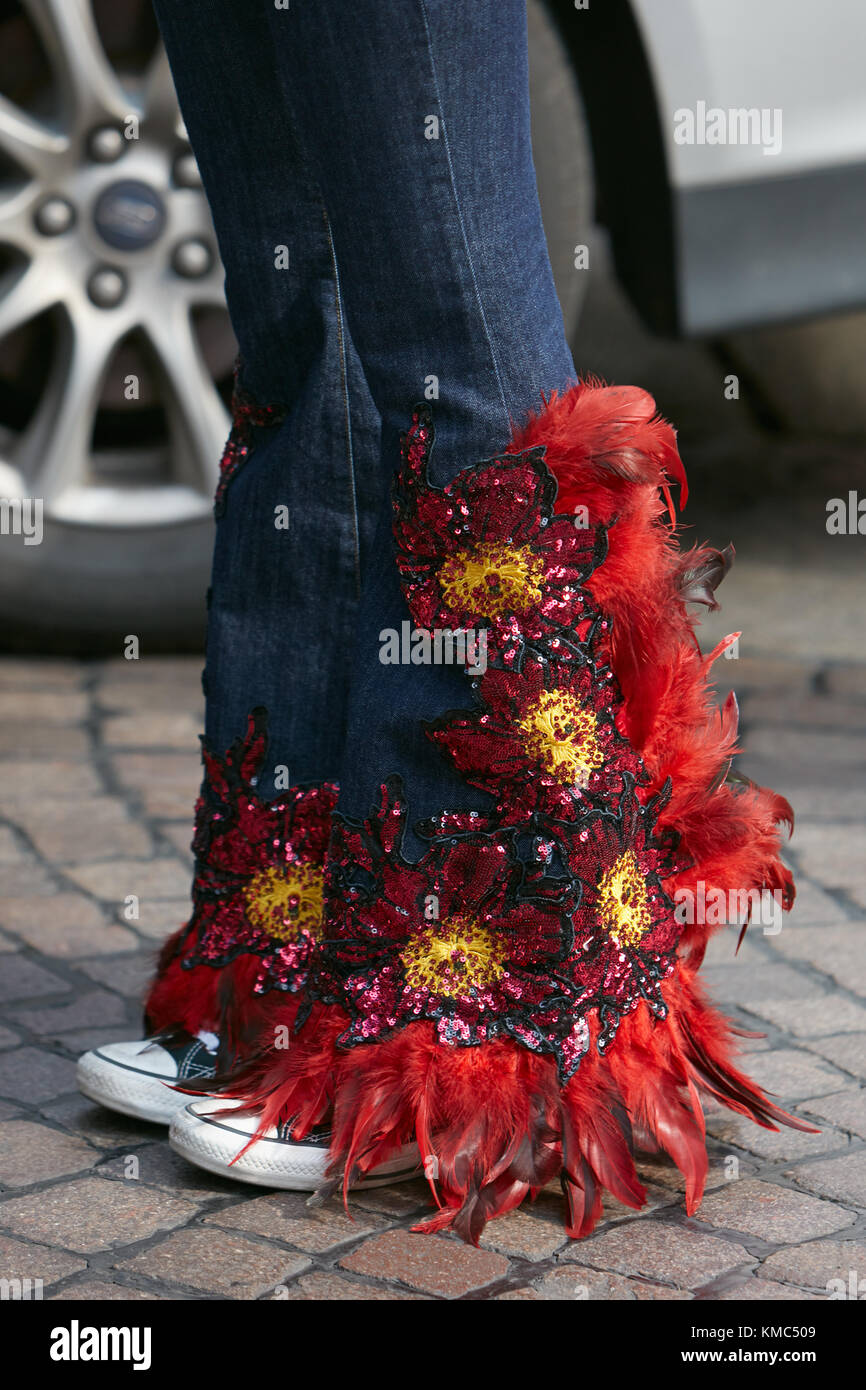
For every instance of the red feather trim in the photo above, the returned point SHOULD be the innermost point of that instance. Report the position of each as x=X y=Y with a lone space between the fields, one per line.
x=492 y=1122
x=593 y=437
x=216 y=1001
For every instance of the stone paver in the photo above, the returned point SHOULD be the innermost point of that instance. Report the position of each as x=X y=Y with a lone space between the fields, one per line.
x=11 y=850
x=46 y=707
x=65 y=926
x=20 y=1261
x=592 y=1285
x=52 y=780
x=33 y=1075
x=812 y=906
x=815 y=1264
x=31 y=1153
x=104 y=1128
x=756 y=1290
x=286 y=1217
x=100 y=827
x=157 y=918
x=99 y=769
x=155 y=1165
x=812 y=1018
x=127 y=974
x=835 y=949
x=847 y=1111
x=524 y=1234
x=24 y=979
x=334 y=1288
x=20 y=739
x=182 y=672
x=166 y=783
x=832 y=853
x=93 y=1214
x=778 y=1145
x=433 y=1264
x=745 y=982
x=32 y=672
x=792 y=1075
x=36 y=880
x=179 y=835
x=156 y=729
x=847 y=1053
x=219 y=1262
x=661 y=1253
x=409 y=1198
x=149 y=696
x=843 y=1179
x=98 y=1291
x=771 y=1213
x=116 y=879
x=820 y=748
x=98 y=1008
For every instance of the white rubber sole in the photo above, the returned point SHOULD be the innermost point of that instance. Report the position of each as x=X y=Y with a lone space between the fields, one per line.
x=128 y=1091
x=212 y=1144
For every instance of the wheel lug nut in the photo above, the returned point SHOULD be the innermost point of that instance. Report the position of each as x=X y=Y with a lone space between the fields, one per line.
x=186 y=172
x=106 y=144
x=192 y=259
x=106 y=287
x=54 y=216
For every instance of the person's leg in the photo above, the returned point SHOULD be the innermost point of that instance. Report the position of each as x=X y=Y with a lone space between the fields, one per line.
x=517 y=994
x=296 y=503
x=417 y=117
x=294 y=517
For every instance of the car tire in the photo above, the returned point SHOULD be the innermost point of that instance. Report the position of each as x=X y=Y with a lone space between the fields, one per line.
x=563 y=161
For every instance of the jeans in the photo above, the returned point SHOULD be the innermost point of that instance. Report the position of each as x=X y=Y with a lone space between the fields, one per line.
x=369 y=170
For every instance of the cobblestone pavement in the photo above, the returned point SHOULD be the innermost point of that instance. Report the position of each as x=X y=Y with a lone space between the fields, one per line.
x=99 y=771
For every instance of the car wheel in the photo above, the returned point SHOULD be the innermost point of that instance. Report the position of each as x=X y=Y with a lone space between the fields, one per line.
x=115 y=348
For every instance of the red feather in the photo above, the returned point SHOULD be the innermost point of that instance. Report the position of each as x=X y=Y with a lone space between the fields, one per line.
x=493 y=1124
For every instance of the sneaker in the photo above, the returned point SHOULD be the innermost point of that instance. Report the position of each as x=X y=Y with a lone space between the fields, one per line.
x=210 y=1136
x=136 y=1078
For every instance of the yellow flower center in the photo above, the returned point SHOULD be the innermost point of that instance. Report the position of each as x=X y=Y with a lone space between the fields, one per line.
x=623 y=904
x=492 y=579
x=561 y=735
x=453 y=957
x=285 y=901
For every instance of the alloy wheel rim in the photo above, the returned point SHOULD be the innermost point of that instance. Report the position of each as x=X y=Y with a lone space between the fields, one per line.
x=108 y=229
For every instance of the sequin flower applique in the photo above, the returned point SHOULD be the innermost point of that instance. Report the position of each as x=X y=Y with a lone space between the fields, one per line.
x=487 y=551
x=543 y=740
x=625 y=928
x=247 y=414
x=461 y=938
x=258 y=883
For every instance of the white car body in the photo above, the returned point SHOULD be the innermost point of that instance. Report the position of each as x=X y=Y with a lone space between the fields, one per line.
x=803 y=59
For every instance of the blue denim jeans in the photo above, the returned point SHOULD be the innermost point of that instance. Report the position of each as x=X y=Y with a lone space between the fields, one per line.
x=369 y=170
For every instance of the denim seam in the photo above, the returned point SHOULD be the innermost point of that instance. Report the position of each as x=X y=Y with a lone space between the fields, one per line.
x=344 y=383
x=453 y=182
